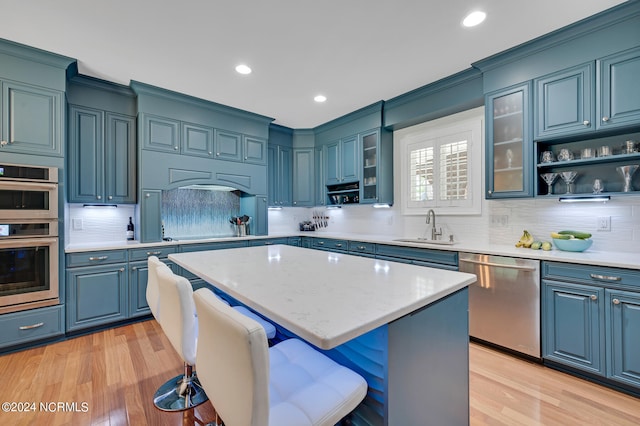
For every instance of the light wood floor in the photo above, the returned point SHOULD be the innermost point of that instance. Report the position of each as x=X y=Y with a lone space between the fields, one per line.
x=117 y=371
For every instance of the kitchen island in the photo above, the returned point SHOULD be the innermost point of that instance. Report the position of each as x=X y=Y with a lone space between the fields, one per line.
x=403 y=327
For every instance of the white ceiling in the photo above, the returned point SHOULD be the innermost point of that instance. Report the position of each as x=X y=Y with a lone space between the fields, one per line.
x=355 y=52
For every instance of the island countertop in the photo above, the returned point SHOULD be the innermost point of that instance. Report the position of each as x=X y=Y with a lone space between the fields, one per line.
x=325 y=298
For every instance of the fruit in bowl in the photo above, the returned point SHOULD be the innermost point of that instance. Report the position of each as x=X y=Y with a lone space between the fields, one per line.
x=572 y=240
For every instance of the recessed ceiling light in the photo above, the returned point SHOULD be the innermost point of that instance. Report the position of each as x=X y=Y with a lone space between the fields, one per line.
x=243 y=69
x=320 y=98
x=474 y=18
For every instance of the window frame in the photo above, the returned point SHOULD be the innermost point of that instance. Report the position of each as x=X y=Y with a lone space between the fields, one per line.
x=436 y=133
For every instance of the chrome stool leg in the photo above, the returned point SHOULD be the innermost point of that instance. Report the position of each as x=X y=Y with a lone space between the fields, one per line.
x=181 y=393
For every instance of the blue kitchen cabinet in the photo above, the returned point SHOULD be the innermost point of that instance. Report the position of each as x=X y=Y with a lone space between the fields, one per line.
x=151 y=215
x=591 y=321
x=23 y=327
x=441 y=259
x=32 y=119
x=102 y=157
x=96 y=295
x=377 y=166
x=573 y=318
x=623 y=338
x=342 y=161
x=268 y=241
x=320 y=193
x=509 y=143
x=359 y=248
x=617 y=85
x=139 y=275
x=227 y=145
x=280 y=161
x=197 y=140
x=564 y=102
x=160 y=133
x=261 y=218
x=330 y=244
x=303 y=177
x=255 y=150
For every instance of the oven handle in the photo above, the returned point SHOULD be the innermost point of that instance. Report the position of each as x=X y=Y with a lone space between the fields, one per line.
x=499 y=265
x=28 y=185
x=28 y=242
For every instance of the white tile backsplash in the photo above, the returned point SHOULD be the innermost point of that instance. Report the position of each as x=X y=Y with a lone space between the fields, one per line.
x=99 y=224
x=501 y=221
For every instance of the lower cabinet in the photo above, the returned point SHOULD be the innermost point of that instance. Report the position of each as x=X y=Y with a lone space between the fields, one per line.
x=96 y=295
x=138 y=276
x=591 y=320
x=31 y=325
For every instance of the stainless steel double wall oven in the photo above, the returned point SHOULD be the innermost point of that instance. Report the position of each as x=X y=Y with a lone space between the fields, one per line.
x=29 y=249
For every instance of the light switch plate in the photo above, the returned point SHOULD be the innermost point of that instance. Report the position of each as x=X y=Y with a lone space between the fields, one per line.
x=604 y=223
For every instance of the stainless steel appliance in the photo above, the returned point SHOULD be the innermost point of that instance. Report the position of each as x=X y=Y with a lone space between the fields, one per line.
x=28 y=192
x=504 y=302
x=29 y=245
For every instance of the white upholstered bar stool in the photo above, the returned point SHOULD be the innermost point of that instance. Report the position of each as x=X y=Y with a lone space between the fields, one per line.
x=250 y=384
x=177 y=317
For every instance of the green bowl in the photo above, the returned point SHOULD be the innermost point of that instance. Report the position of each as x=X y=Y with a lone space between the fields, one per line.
x=574 y=244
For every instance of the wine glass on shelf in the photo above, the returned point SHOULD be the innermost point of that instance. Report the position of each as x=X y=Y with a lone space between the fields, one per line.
x=569 y=177
x=549 y=178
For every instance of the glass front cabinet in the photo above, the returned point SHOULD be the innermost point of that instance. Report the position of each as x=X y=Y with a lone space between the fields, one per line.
x=509 y=145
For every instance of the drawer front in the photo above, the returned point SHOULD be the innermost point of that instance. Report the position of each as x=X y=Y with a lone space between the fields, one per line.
x=268 y=242
x=143 y=253
x=35 y=324
x=187 y=248
x=96 y=258
x=593 y=275
x=330 y=244
x=357 y=247
x=442 y=257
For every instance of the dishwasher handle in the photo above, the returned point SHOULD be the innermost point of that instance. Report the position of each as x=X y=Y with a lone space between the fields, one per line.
x=499 y=265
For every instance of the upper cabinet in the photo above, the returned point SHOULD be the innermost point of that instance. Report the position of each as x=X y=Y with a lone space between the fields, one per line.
x=31 y=119
x=564 y=102
x=279 y=173
x=102 y=142
x=509 y=146
x=573 y=101
x=619 y=89
x=32 y=115
x=303 y=177
x=342 y=165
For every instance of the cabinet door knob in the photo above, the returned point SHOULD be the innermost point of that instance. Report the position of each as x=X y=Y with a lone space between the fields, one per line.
x=99 y=197
x=489 y=192
x=594 y=297
x=246 y=158
x=135 y=268
x=175 y=148
x=210 y=153
x=110 y=197
x=217 y=154
x=605 y=119
x=4 y=143
x=616 y=301
x=295 y=202
x=147 y=195
x=586 y=122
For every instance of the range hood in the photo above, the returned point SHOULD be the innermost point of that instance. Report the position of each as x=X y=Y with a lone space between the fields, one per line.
x=222 y=188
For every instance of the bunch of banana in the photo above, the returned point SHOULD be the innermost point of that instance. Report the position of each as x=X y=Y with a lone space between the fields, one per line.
x=569 y=235
x=526 y=240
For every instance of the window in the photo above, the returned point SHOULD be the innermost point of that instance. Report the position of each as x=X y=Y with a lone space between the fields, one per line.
x=441 y=163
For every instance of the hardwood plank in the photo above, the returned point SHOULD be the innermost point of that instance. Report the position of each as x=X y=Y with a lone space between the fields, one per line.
x=117 y=371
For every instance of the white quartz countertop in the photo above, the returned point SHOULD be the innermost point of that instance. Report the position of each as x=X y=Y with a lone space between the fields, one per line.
x=325 y=298
x=592 y=256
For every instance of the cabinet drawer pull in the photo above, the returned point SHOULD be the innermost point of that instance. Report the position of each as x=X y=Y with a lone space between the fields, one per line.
x=605 y=119
x=134 y=268
x=594 y=297
x=153 y=253
x=121 y=269
x=98 y=257
x=616 y=301
x=321 y=243
x=586 y=122
x=268 y=243
x=362 y=248
x=605 y=277
x=29 y=327
x=338 y=245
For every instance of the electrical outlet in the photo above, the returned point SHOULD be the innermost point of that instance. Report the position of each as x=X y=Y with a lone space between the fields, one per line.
x=604 y=223
x=77 y=223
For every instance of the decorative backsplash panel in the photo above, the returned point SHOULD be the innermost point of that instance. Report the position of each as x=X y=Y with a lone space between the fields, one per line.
x=198 y=213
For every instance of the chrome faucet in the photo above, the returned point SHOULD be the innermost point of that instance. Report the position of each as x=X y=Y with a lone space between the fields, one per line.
x=431 y=220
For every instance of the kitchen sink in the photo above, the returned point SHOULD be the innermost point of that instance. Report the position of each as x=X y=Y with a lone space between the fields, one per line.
x=425 y=241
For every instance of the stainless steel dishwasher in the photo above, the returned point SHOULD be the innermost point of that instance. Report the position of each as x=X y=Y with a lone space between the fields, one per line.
x=504 y=302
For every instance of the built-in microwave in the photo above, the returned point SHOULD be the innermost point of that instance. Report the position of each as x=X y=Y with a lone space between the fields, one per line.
x=28 y=192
